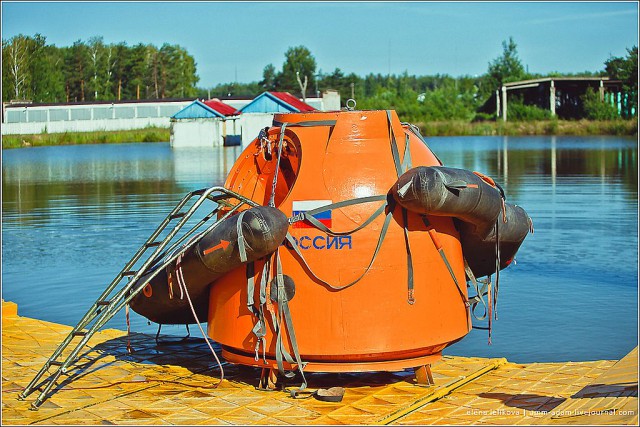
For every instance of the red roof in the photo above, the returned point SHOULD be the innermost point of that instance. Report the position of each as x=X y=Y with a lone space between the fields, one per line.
x=220 y=107
x=293 y=101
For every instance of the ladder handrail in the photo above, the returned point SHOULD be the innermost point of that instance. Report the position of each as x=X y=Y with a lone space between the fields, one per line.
x=94 y=309
x=201 y=222
x=101 y=314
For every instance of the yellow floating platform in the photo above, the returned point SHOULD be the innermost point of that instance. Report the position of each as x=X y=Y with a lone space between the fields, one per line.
x=176 y=383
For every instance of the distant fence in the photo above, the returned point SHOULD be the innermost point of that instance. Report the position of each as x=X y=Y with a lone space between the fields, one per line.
x=125 y=115
x=34 y=119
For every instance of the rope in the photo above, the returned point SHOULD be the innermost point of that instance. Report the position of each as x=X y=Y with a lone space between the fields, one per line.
x=275 y=175
x=126 y=311
x=183 y=287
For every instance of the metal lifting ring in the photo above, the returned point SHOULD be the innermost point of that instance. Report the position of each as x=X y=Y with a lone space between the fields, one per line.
x=351 y=104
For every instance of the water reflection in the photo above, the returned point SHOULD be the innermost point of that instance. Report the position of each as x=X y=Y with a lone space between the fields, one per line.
x=573 y=293
x=514 y=159
x=38 y=182
x=73 y=215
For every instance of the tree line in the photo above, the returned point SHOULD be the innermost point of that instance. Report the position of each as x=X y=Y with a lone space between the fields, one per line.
x=428 y=98
x=93 y=70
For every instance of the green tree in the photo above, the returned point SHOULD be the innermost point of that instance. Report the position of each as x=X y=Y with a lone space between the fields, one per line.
x=298 y=70
x=48 y=82
x=626 y=70
x=76 y=70
x=19 y=55
x=506 y=68
x=135 y=72
x=269 y=78
x=95 y=49
x=121 y=72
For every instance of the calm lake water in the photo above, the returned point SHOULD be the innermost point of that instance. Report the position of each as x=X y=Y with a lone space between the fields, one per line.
x=73 y=215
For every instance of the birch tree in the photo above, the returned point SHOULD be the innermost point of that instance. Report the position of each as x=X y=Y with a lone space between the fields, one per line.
x=96 y=47
x=15 y=53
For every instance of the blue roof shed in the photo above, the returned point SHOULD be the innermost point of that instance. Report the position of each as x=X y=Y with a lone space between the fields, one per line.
x=197 y=110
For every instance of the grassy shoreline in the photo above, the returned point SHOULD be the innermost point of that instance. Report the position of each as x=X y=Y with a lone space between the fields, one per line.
x=540 y=127
x=446 y=128
x=151 y=134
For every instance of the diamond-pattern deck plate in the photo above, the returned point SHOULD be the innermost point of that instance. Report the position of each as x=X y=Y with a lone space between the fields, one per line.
x=525 y=394
x=176 y=384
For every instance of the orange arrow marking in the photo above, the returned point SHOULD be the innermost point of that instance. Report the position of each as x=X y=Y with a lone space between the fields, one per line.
x=223 y=244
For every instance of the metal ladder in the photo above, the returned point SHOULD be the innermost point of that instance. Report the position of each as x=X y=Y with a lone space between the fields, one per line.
x=111 y=301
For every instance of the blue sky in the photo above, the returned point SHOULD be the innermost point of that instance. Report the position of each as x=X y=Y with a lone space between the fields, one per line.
x=238 y=39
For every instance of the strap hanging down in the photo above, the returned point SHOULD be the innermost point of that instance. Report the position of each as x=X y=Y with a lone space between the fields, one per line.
x=275 y=175
x=410 y=291
x=383 y=233
x=400 y=169
x=260 y=328
x=285 y=314
x=394 y=146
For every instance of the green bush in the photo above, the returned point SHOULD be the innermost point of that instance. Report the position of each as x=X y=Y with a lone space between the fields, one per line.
x=551 y=127
x=484 y=117
x=596 y=109
x=151 y=137
x=520 y=112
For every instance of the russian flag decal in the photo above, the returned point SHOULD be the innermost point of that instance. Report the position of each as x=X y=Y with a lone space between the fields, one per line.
x=300 y=206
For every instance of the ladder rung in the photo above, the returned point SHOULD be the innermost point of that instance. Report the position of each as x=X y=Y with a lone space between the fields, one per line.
x=106 y=308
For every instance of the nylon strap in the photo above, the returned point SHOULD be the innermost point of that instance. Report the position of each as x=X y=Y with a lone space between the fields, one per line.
x=453 y=276
x=241 y=241
x=410 y=290
x=383 y=233
x=310 y=123
x=283 y=306
x=338 y=205
x=402 y=167
x=394 y=146
x=275 y=175
x=475 y=300
x=260 y=328
x=406 y=160
x=250 y=272
x=495 y=292
x=284 y=313
x=308 y=216
x=413 y=128
x=263 y=301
